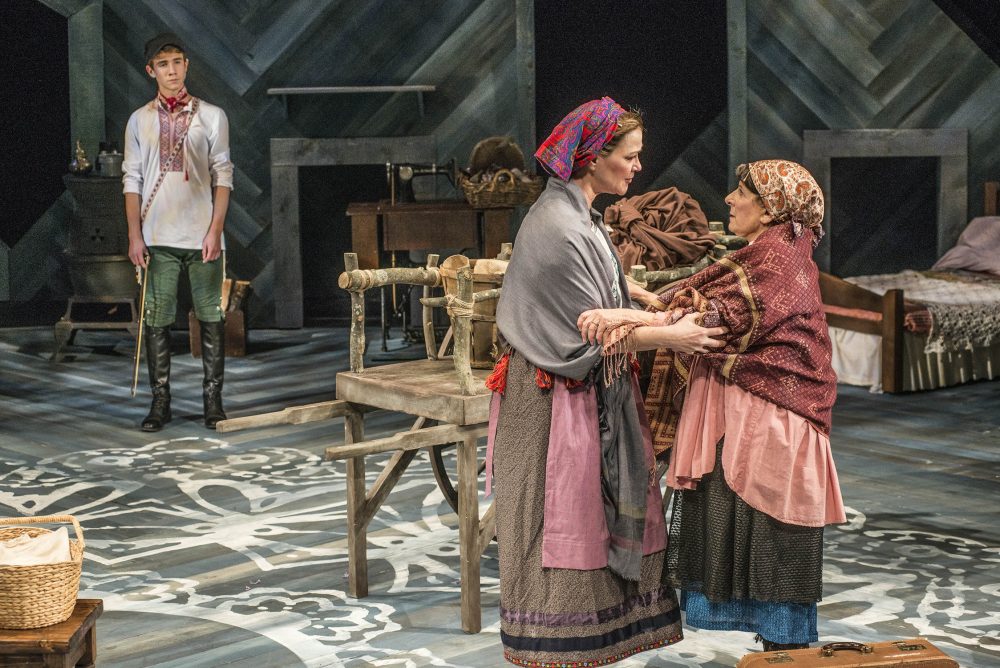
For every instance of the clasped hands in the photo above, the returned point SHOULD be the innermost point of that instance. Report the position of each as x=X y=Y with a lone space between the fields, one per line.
x=681 y=333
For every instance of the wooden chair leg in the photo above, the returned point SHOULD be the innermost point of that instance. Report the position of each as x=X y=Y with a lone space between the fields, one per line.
x=468 y=534
x=357 y=524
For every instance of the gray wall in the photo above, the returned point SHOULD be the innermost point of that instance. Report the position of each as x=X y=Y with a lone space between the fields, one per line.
x=794 y=66
x=843 y=65
x=478 y=53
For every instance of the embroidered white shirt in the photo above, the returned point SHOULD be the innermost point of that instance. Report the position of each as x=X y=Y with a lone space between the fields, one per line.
x=181 y=212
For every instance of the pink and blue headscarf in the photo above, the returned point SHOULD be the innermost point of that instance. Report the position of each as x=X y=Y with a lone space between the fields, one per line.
x=579 y=137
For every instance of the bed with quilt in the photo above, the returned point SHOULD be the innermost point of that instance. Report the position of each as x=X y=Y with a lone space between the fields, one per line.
x=921 y=330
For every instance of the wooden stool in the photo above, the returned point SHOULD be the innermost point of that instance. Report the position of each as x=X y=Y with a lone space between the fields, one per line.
x=63 y=645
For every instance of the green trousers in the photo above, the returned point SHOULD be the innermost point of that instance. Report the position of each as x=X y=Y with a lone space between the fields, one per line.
x=165 y=267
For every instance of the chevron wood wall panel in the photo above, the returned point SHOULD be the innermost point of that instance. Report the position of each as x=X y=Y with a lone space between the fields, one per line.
x=822 y=64
x=860 y=64
x=850 y=64
x=240 y=48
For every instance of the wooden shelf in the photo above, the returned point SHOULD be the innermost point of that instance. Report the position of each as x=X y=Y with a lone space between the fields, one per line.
x=285 y=91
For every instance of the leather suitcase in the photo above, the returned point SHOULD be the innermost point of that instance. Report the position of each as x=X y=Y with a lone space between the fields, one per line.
x=912 y=653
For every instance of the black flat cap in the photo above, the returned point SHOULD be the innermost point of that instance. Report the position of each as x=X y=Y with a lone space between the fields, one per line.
x=161 y=41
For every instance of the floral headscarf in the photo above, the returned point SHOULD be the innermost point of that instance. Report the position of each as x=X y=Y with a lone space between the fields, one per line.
x=579 y=137
x=790 y=194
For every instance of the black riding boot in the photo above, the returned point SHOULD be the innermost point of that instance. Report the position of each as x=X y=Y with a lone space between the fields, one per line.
x=213 y=358
x=158 y=361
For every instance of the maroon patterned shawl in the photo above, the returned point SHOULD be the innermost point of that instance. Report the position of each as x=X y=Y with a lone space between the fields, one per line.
x=778 y=346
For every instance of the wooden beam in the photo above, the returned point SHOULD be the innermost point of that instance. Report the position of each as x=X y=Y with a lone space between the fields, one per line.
x=357 y=341
x=407 y=440
x=324 y=410
x=892 y=341
x=288 y=308
x=430 y=339
x=953 y=196
x=86 y=77
x=524 y=29
x=462 y=326
x=391 y=473
x=335 y=90
x=357 y=530
x=991 y=194
x=469 y=533
x=736 y=37
x=364 y=279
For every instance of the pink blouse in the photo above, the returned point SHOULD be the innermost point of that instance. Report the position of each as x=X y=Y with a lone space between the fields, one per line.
x=775 y=460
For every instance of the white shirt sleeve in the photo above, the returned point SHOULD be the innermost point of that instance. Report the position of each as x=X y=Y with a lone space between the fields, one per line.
x=132 y=160
x=220 y=166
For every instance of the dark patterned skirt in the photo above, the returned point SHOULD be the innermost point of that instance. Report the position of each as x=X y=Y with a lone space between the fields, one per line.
x=553 y=617
x=741 y=569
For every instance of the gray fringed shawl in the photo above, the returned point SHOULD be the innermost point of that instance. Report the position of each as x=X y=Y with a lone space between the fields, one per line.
x=559 y=269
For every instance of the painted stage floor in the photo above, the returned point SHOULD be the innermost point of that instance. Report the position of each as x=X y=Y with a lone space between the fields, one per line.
x=230 y=549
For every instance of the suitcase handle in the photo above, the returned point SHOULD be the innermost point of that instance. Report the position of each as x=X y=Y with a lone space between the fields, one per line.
x=829 y=648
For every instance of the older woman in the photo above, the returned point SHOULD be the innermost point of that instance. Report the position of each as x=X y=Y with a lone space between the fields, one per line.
x=580 y=524
x=749 y=423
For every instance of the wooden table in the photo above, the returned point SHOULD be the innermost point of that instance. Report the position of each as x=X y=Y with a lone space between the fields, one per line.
x=63 y=645
x=381 y=226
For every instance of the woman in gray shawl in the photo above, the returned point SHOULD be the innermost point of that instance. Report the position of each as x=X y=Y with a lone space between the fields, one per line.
x=580 y=524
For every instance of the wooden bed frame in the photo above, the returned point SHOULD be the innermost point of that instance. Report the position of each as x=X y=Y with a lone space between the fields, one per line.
x=889 y=307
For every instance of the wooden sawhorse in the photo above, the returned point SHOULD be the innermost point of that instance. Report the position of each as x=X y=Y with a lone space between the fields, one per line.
x=445 y=391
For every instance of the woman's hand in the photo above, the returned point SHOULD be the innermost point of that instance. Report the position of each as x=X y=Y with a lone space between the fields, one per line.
x=594 y=324
x=687 y=336
x=643 y=296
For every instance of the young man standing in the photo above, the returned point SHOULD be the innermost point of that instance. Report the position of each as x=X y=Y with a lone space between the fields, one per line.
x=178 y=177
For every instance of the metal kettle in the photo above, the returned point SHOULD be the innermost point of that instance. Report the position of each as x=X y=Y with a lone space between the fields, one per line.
x=110 y=162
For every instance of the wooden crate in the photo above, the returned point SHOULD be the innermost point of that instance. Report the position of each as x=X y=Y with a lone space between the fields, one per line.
x=234 y=296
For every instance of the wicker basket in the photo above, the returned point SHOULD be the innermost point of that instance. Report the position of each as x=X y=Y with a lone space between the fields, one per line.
x=36 y=596
x=502 y=191
x=487 y=274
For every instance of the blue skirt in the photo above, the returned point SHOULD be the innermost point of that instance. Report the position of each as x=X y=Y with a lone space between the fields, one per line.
x=778 y=622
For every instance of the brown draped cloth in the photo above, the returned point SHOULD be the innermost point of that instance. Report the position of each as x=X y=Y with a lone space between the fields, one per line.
x=660 y=229
x=778 y=347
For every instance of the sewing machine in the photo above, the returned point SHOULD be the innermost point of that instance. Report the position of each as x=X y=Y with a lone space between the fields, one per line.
x=400 y=177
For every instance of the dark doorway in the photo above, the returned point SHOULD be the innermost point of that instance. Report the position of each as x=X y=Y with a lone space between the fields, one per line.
x=668 y=59
x=324 y=193
x=886 y=215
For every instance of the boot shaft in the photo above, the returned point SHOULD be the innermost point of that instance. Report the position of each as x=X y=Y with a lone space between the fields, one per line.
x=213 y=356
x=158 y=359
x=213 y=360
